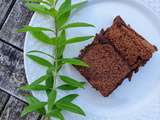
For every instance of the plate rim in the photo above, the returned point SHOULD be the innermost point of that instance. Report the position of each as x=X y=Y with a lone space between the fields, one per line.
x=140 y=3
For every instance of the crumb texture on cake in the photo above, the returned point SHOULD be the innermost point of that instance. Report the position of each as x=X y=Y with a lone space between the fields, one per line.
x=114 y=55
x=107 y=68
x=132 y=46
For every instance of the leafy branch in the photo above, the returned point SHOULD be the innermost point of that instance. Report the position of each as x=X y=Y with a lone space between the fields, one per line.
x=54 y=107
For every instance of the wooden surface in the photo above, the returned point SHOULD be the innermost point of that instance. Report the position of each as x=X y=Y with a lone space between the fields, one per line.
x=13 y=109
x=5 y=7
x=18 y=17
x=4 y=97
x=13 y=15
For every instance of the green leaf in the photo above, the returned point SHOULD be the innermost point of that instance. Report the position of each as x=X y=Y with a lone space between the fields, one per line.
x=37 y=8
x=32 y=100
x=67 y=87
x=34 y=87
x=50 y=80
x=72 y=82
x=33 y=29
x=42 y=111
x=60 y=21
x=56 y=114
x=37 y=1
x=43 y=37
x=51 y=2
x=77 y=24
x=65 y=10
x=40 y=60
x=42 y=9
x=66 y=5
x=63 y=13
x=70 y=107
x=78 y=39
x=54 y=40
x=40 y=80
x=51 y=99
x=61 y=39
x=74 y=61
x=68 y=98
x=78 y=5
x=32 y=108
x=60 y=64
x=53 y=12
x=61 y=44
x=37 y=51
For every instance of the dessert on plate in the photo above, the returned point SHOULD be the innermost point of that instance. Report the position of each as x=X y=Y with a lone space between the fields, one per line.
x=114 y=55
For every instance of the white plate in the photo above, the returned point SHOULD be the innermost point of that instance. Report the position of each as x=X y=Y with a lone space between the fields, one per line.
x=135 y=100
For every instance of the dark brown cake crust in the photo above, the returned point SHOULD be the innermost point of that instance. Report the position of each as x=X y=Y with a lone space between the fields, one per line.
x=113 y=56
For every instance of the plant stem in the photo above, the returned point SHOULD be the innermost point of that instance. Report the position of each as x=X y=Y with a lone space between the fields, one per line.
x=46 y=118
x=55 y=60
x=55 y=71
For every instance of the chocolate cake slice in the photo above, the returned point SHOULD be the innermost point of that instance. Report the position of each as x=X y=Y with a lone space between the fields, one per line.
x=131 y=46
x=113 y=56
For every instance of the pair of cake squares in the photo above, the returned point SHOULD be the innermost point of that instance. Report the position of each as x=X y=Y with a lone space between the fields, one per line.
x=114 y=55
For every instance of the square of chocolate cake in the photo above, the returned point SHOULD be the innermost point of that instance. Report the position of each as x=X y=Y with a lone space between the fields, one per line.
x=114 y=55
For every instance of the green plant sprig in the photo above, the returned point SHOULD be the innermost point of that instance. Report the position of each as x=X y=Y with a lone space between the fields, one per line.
x=47 y=82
